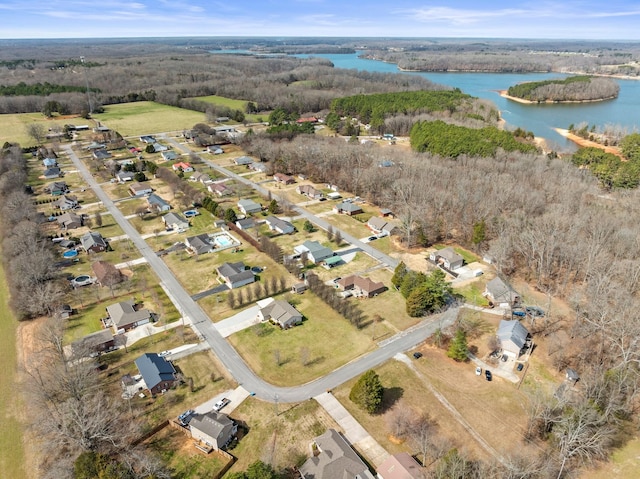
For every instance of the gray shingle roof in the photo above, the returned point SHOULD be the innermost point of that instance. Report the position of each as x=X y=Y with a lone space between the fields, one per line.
x=512 y=331
x=155 y=369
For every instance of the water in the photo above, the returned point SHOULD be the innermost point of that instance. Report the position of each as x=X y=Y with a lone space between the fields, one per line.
x=540 y=119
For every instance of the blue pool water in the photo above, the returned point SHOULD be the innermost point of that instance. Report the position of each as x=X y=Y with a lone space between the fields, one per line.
x=223 y=241
x=190 y=213
x=70 y=254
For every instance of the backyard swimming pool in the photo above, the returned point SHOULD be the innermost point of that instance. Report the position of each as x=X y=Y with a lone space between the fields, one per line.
x=70 y=254
x=190 y=213
x=224 y=240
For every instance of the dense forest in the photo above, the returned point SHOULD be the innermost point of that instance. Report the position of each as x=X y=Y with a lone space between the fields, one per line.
x=575 y=88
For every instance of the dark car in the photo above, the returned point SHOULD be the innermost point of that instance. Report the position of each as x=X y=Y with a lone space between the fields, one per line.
x=487 y=374
x=417 y=355
x=373 y=238
x=519 y=313
x=520 y=366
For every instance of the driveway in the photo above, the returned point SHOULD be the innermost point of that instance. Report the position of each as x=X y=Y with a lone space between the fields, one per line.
x=243 y=320
x=203 y=294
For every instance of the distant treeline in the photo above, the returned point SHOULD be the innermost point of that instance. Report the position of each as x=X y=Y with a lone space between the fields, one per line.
x=440 y=138
x=40 y=89
x=575 y=88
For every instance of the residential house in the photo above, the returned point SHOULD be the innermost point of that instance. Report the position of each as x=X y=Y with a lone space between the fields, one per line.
x=279 y=312
x=67 y=202
x=299 y=288
x=360 y=286
x=175 y=221
x=181 y=165
x=101 y=154
x=200 y=177
x=199 y=244
x=381 y=226
x=57 y=188
x=124 y=176
x=127 y=315
x=246 y=223
x=334 y=458
x=69 y=221
x=51 y=173
x=310 y=119
x=513 y=337
x=500 y=294
x=310 y=192
x=249 y=207
x=95 y=343
x=334 y=195
x=215 y=150
x=284 y=179
x=235 y=274
x=220 y=189
x=140 y=189
x=347 y=208
x=386 y=212
x=447 y=257
x=101 y=129
x=158 y=374
x=400 y=466
x=79 y=127
x=215 y=429
x=243 y=160
x=93 y=242
x=106 y=274
x=169 y=155
x=158 y=147
x=281 y=226
x=94 y=145
x=147 y=139
x=258 y=166
x=49 y=162
x=157 y=203
x=314 y=250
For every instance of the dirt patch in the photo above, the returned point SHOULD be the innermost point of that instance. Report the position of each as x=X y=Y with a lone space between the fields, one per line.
x=578 y=140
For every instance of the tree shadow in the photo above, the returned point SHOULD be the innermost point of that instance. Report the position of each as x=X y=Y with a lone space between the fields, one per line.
x=390 y=397
x=315 y=361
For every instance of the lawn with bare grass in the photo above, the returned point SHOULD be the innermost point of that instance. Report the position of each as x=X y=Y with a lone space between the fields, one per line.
x=295 y=356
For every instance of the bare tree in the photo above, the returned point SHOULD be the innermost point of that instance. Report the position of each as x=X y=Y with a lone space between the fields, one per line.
x=37 y=131
x=421 y=431
x=97 y=217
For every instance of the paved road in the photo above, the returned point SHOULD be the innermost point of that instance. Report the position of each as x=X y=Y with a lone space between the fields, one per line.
x=228 y=356
x=373 y=252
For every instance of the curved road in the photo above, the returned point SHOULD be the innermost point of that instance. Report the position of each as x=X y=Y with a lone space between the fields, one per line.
x=226 y=353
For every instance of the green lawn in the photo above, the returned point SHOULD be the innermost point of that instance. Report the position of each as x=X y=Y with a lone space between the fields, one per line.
x=234 y=105
x=11 y=448
x=143 y=117
x=326 y=338
x=13 y=126
x=468 y=256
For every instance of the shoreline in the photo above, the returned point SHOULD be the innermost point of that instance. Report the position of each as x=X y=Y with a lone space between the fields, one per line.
x=504 y=94
x=584 y=143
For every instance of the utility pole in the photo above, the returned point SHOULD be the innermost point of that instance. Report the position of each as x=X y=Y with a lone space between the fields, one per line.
x=86 y=80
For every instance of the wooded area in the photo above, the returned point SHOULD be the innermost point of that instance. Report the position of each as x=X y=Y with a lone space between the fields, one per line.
x=575 y=88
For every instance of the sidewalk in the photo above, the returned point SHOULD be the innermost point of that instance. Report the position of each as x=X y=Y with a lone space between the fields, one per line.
x=353 y=431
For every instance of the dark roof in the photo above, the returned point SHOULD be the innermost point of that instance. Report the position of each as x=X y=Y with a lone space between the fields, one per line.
x=200 y=243
x=156 y=200
x=106 y=272
x=124 y=313
x=155 y=369
x=91 y=239
x=92 y=341
x=214 y=424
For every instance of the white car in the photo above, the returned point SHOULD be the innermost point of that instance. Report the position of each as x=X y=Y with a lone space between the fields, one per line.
x=220 y=404
x=478 y=371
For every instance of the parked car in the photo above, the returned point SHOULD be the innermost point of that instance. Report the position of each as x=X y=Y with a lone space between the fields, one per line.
x=372 y=238
x=183 y=419
x=487 y=374
x=417 y=355
x=520 y=366
x=478 y=371
x=534 y=311
x=220 y=404
x=518 y=313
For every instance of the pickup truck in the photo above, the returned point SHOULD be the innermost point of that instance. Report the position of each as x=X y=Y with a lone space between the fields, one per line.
x=220 y=404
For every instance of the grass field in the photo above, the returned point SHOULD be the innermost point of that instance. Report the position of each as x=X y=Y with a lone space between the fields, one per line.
x=11 y=447
x=234 y=105
x=13 y=126
x=143 y=117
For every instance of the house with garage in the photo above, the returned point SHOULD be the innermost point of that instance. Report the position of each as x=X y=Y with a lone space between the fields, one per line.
x=199 y=244
x=106 y=274
x=279 y=312
x=200 y=177
x=93 y=242
x=314 y=250
x=284 y=179
x=67 y=202
x=447 y=257
x=124 y=176
x=334 y=458
x=51 y=173
x=214 y=429
x=258 y=166
x=159 y=148
x=400 y=466
x=380 y=226
x=249 y=207
x=69 y=221
x=246 y=223
x=156 y=203
x=279 y=225
x=127 y=315
x=140 y=189
x=101 y=154
x=49 y=162
x=220 y=189
x=310 y=192
x=243 y=161
x=513 y=337
x=93 y=344
x=175 y=221
x=215 y=150
x=501 y=295
x=182 y=166
x=158 y=374
x=361 y=287
x=169 y=155
x=57 y=188
x=235 y=275
x=347 y=208
x=148 y=139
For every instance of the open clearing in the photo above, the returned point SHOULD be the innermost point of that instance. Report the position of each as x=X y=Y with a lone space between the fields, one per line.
x=234 y=105
x=13 y=126
x=143 y=117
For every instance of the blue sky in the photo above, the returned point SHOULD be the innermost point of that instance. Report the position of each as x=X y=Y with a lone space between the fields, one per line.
x=579 y=19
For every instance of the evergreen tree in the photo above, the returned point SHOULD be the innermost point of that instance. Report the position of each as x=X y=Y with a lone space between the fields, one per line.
x=479 y=232
x=399 y=274
x=458 y=347
x=367 y=392
x=273 y=207
x=230 y=216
